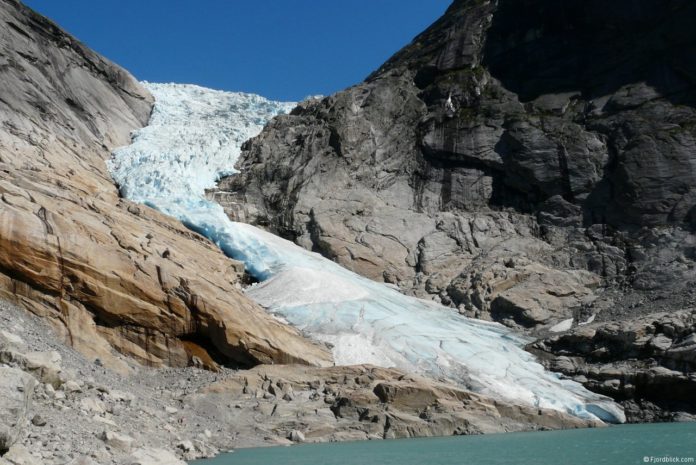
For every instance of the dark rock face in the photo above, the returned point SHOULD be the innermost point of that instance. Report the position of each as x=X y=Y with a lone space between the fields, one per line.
x=631 y=81
x=646 y=363
x=560 y=132
x=526 y=161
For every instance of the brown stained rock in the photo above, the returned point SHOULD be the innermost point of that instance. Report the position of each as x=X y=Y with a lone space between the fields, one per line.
x=107 y=272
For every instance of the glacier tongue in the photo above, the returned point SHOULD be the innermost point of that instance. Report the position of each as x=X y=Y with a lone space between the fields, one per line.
x=194 y=137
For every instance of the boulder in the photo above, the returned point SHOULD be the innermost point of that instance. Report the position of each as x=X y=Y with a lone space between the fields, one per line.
x=9 y=340
x=520 y=292
x=92 y=405
x=71 y=386
x=117 y=442
x=151 y=456
x=45 y=366
x=16 y=392
x=19 y=455
x=296 y=436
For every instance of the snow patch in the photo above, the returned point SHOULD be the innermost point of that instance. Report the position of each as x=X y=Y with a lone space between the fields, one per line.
x=564 y=325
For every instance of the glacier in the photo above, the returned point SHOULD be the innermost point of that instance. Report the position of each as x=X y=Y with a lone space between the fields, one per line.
x=194 y=137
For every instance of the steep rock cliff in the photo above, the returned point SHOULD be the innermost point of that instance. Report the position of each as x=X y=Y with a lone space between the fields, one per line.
x=106 y=271
x=526 y=161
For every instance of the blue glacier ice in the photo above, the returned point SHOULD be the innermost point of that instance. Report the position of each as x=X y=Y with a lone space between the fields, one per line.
x=194 y=137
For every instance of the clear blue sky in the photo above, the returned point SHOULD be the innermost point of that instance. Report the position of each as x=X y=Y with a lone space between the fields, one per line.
x=282 y=49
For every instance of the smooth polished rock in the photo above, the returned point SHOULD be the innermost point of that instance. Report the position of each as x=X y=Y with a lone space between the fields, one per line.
x=108 y=273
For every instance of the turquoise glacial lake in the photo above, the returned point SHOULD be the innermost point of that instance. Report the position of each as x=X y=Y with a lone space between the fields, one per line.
x=628 y=444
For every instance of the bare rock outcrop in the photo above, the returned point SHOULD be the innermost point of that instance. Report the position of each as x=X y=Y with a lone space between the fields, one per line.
x=647 y=363
x=307 y=404
x=530 y=162
x=107 y=272
x=460 y=154
x=154 y=457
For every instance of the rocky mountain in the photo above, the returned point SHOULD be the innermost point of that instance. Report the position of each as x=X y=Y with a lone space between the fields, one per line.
x=527 y=162
x=130 y=291
x=107 y=272
x=194 y=134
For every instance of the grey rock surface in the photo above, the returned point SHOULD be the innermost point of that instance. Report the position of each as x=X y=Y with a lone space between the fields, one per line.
x=16 y=392
x=523 y=161
x=19 y=455
x=152 y=456
x=450 y=160
x=647 y=363
x=93 y=413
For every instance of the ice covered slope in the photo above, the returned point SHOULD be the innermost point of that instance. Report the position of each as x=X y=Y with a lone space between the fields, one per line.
x=195 y=135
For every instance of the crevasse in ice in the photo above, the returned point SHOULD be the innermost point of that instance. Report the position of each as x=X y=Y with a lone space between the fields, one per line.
x=194 y=136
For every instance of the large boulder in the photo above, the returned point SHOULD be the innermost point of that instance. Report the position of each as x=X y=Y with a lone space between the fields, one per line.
x=19 y=455
x=151 y=456
x=522 y=293
x=44 y=366
x=108 y=273
x=16 y=392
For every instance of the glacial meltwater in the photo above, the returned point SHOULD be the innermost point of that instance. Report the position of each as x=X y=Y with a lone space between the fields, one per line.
x=617 y=445
x=194 y=137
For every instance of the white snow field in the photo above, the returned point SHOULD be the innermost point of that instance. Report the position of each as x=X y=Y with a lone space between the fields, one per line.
x=194 y=137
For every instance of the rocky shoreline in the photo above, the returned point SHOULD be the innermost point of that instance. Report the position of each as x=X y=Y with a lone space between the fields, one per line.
x=75 y=411
x=62 y=408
